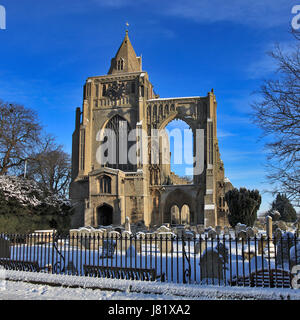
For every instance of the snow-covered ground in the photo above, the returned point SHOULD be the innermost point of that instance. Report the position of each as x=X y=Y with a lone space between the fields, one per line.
x=27 y=291
x=42 y=286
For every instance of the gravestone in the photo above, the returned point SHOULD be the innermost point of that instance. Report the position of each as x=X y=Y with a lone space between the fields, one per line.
x=127 y=224
x=211 y=264
x=277 y=235
x=200 y=228
x=108 y=248
x=211 y=233
x=4 y=248
x=222 y=250
x=163 y=229
x=218 y=230
x=226 y=231
x=165 y=242
x=240 y=227
x=242 y=235
x=269 y=227
x=250 y=232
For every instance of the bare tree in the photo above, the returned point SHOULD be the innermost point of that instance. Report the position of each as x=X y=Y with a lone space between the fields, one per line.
x=19 y=134
x=51 y=167
x=278 y=115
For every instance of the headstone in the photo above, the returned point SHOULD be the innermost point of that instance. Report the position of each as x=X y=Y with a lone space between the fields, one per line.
x=114 y=234
x=240 y=227
x=4 y=248
x=242 y=235
x=108 y=248
x=277 y=235
x=269 y=227
x=226 y=231
x=200 y=228
x=211 y=264
x=250 y=232
x=218 y=230
x=165 y=242
x=127 y=224
x=211 y=233
x=163 y=229
x=223 y=251
x=180 y=231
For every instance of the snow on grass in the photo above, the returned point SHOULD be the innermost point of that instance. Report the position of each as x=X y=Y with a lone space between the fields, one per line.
x=74 y=287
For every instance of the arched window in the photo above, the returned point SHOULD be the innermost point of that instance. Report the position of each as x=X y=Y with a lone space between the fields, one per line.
x=118 y=130
x=175 y=215
x=120 y=64
x=105 y=184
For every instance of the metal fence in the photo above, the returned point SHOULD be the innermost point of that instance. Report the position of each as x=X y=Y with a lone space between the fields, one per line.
x=224 y=260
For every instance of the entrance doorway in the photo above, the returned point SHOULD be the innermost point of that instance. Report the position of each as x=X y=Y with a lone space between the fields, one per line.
x=105 y=215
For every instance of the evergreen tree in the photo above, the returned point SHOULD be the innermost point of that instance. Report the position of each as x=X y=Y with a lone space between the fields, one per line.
x=243 y=206
x=283 y=205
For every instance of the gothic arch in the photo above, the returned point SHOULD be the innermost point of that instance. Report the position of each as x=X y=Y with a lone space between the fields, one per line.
x=117 y=124
x=179 y=198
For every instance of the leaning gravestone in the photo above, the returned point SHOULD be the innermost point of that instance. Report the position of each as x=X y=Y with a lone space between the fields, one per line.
x=211 y=264
x=108 y=248
x=4 y=248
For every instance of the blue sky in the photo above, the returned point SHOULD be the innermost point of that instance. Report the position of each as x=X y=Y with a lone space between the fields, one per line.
x=188 y=47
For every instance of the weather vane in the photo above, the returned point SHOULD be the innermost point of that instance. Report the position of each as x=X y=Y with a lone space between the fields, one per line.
x=127 y=25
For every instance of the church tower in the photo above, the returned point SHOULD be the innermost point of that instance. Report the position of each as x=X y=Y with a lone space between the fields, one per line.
x=111 y=179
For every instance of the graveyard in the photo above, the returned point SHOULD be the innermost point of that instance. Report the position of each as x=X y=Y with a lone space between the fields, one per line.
x=220 y=257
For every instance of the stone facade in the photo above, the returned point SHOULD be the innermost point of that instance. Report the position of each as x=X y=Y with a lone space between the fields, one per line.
x=107 y=193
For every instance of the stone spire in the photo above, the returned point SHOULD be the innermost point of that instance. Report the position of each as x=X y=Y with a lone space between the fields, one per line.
x=125 y=59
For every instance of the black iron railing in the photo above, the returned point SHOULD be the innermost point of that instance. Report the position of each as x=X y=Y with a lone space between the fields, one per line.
x=224 y=260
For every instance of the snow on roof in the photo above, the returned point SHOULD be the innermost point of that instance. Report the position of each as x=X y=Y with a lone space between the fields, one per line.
x=226 y=180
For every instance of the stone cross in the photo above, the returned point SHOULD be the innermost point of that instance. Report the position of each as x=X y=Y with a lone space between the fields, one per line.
x=269 y=226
